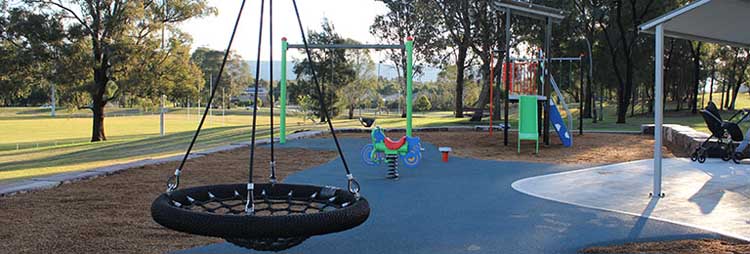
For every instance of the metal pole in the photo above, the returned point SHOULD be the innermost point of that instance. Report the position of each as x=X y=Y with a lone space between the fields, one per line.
x=282 y=97
x=580 y=102
x=492 y=76
x=546 y=87
x=409 y=62
x=223 y=105
x=210 y=88
x=507 y=76
x=161 y=116
x=53 y=100
x=659 y=109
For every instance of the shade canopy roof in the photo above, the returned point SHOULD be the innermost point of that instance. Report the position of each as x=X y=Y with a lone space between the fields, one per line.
x=715 y=21
x=529 y=9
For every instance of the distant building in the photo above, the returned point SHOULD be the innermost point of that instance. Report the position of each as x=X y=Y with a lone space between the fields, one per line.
x=248 y=94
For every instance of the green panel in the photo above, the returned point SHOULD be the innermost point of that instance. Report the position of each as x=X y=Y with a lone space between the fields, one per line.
x=528 y=123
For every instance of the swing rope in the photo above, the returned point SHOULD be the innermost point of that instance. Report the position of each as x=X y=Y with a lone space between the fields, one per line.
x=353 y=185
x=250 y=205
x=272 y=178
x=174 y=181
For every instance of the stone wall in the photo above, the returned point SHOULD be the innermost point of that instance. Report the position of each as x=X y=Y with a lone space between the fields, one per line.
x=681 y=140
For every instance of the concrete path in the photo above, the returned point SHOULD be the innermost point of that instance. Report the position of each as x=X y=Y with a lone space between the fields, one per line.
x=464 y=206
x=714 y=196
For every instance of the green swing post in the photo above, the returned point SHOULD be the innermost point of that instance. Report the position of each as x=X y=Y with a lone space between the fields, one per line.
x=282 y=114
x=409 y=61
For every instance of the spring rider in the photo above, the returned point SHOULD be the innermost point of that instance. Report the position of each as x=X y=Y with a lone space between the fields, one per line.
x=386 y=150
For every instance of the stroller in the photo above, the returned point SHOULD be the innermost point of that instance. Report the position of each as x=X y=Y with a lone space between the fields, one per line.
x=727 y=133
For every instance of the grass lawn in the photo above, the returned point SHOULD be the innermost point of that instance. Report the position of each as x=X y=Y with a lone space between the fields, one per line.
x=33 y=144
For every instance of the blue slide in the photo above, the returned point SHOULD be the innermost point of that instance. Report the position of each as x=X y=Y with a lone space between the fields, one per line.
x=559 y=124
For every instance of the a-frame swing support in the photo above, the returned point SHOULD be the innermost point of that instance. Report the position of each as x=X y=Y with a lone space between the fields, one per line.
x=408 y=46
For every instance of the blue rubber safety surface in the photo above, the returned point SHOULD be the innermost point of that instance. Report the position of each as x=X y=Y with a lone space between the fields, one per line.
x=463 y=206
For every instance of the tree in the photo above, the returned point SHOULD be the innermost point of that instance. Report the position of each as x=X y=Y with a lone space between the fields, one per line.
x=485 y=40
x=586 y=21
x=332 y=67
x=734 y=71
x=236 y=77
x=410 y=18
x=116 y=29
x=423 y=103
x=356 y=93
x=456 y=19
x=152 y=74
x=29 y=42
x=620 y=28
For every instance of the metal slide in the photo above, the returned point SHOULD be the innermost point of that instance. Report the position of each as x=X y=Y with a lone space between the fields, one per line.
x=562 y=131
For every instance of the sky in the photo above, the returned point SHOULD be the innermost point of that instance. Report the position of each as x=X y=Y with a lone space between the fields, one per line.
x=351 y=19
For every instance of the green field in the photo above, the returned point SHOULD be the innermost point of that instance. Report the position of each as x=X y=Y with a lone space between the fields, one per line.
x=33 y=144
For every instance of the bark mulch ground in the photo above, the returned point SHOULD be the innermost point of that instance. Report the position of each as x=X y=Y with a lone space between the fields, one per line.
x=591 y=148
x=112 y=214
x=698 y=246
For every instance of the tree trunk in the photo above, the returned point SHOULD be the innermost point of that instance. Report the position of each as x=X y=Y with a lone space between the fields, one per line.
x=98 y=103
x=351 y=111
x=633 y=102
x=589 y=101
x=460 y=69
x=484 y=95
x=497 y=83
x=624 y=93
x=697 y=76
x=97 y=133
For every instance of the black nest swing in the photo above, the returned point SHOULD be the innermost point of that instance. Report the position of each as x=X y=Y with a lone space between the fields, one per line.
x=271 y=216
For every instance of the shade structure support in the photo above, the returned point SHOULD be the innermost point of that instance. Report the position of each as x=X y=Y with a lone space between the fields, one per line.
x=658 y=109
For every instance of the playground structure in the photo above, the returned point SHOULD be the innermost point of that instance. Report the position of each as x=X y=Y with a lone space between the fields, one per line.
x=531 y=76
x=525 y=79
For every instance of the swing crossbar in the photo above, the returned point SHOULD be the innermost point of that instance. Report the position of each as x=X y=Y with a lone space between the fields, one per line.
x=347 y=46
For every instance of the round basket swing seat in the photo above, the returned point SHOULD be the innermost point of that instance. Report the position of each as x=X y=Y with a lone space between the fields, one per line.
x=285 y=214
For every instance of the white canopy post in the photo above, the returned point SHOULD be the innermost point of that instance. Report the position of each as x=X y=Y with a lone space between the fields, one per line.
x=659 y=108
x=712 y=21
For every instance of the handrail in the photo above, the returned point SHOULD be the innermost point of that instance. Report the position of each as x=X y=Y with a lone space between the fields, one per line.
x=561 y=100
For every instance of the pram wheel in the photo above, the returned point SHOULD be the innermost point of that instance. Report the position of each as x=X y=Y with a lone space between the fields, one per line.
x=694 y=156
x=701 y=158
x=727 y=157
x=737 y=157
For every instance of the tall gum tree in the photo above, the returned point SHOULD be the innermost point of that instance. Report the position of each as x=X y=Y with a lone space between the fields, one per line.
x=115 y=28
